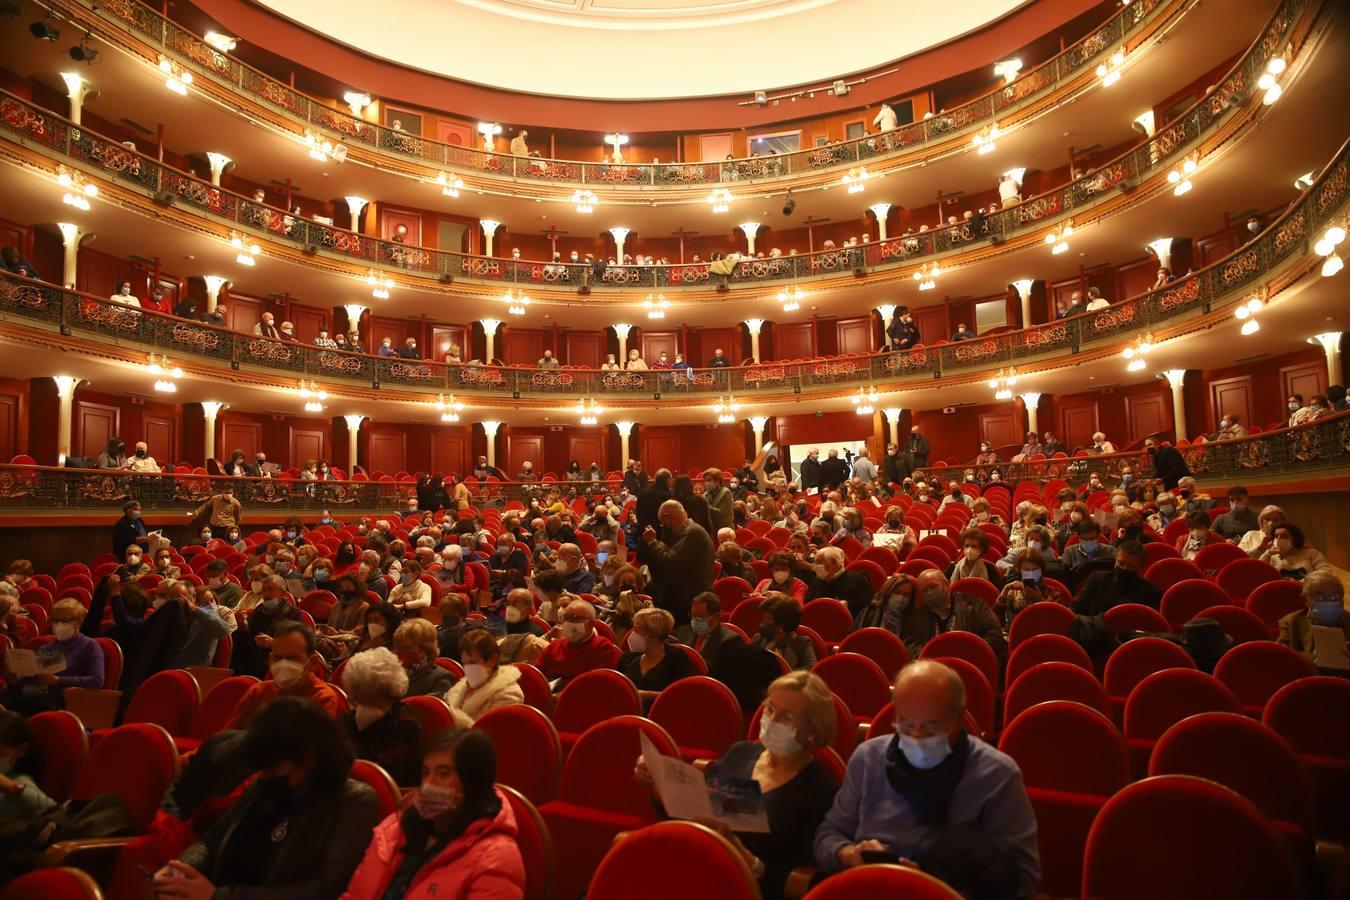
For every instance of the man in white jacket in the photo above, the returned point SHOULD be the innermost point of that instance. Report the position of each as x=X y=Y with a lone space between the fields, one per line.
x=886 y=119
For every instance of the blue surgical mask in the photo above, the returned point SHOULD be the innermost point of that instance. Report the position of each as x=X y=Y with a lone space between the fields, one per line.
x=1031 y=574
x=320 y=574
x=1089 y=547
x=925 y=753
x=701 y=625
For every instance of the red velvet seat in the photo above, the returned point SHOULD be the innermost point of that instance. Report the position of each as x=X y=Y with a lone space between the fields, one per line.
x=1243 y=576
x=214 y=711
x=935 y=556
x=1045 y=648
x=979 y=694
x=595 y=803
x=1213 y=557
x=53 y=884
x=1183 y=600
x=967 y=646
x=719 y=870
x=1236 y=622
x=1046 y=617
x=534 y=685
x=1272 y=601
x=978 y=588
x=879 y=645
x=876 y=576
x=386 y=791
x=1179 y=838
x=136 y=762
x=851 y=546
x=731 y=591
x=1255 y=671
x=1135 y=660
x=1072 y=760
x=828 y=618
x=535 y=844
x=169 y=699
x=1134 y=617
x=701 y=714
x=529 y=752
x=884 y=557
x=591 y=698
x=882 y=881
x=747 y=616
x=432 y=714
x=1163 y=699
x=1053 y=681
x=1167 y=572
x=1298 y=712
x=856 y=680
x=60 y=740
x=112 y=662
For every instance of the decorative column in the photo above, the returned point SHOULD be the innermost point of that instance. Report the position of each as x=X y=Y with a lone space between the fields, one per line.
x=881 y=211
x=1029 y=400
x=625 y=432
x=219 y=162
x=1177 y=378
x=77 y=88
x=620 y=235
x=1024 y=294
x=893 y=417
x=353 y=421
x=757 y=424
x=1162 y=248
x=621 y=331
x=71 y=236
x=490 y=332
x=754 y=325
x=489 y=227
x=887 y=311
x=65 y=391
x=354 y=312
x=490 y=429
x=213 y=285
x=1145 y=123
x=355 y=205
x=210 y=409
x=1331 y=345
x=751 y=229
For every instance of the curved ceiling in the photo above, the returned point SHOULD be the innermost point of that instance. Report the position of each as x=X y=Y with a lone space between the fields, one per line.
x=643 y=49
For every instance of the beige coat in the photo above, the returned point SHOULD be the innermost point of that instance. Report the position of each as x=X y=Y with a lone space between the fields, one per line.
x=502 y=689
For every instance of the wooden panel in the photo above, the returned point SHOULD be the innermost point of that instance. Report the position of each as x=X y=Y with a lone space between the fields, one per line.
x=98 y=274
x=95 y=424
x=443 y=337
x=242 y=313
x=1147 y=414
x=729 y=341
x=308 y=320
x=1077 y=422
x=714 y=147
x=242 y=436
x=932 y=322
x=1228 y=395
x=584 y=348
x=12 y=234
x=307 y=444
x=586 y=449
x=161 y=433
x=521 y=346
x=1306 y=379
x=453 y=133
x=661 y=451
x=11 y=413
x=388 y=452
x=1209 y=250
x=390 y=219
x=791 y=341
x=1136 y=278
x=381 y=328
x=1000 y=429
x=523 y=447
x=855 y=335
x=654 y=343
x=450 y=452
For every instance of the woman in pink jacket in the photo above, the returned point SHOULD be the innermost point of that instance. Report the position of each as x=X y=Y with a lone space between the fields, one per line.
x=456 y=841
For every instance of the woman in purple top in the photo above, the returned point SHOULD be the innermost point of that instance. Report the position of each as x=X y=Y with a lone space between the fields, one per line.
x=83 y=664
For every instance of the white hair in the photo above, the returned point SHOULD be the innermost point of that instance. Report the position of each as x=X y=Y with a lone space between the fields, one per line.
x=375 y=672
x=726 y=534
x=833 y=553
x=452 y=550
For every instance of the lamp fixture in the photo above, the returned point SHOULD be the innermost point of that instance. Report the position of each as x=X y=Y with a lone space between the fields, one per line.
x=656 y=306
x=1180 y=176
x=865 y=402
x=1304 y=181
x=176 y=78
x=322 y=149
x=726 y=410
x=856 y=180
x=78 y=191
x=488 y=130
x=791 y=299
x=515 y=302
x=720 y=200
x=312 y=394
x=160 y=365
x=380 y=285
x=222 y=42
x=247 y=251
x=585 y=201
x=1136 y=352
x=589 y=411
x=1007 y=69
x=450 y=184
x=164 y=386
x=449 y=409
x=617 y=141
x=1270 y=80
x=1003 y=383
x=927 y=275
x=984 y=138
x=1326 y=246
x=1109 y=71
x=356 y=101
x=1058 y=237
x=1246 y=314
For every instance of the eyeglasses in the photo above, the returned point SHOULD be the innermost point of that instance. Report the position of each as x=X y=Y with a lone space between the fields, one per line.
x=575 y=617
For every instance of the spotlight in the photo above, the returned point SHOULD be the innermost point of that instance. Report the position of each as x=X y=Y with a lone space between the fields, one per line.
x=81 y=52
x=44 y=31
x=789 y=204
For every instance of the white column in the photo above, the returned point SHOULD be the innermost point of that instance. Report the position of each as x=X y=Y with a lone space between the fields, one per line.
x=893 y=417
x=620 y=235
x=887 y=311
x=757 y=424
x=625 y=432
x=754 y=325
x=1177 y=378
x=353 y=421
x=881 y=211
x=71 y=235
x=65 y=391
x=77 y=88
x=1144 y=122
x=751 y=229
x=621 y=331
x=354 y=313
x=218 y=162
x=355 y=205
x=213 y=285
x=1162 y=248
x=490 y=332
x=489 y=227
x=1331 y=346
x=1029 y=400
x=210 y=409
x=490 y=429
x=1024 y=293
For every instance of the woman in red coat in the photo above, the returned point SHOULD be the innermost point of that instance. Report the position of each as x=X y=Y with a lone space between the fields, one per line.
x=455 y=841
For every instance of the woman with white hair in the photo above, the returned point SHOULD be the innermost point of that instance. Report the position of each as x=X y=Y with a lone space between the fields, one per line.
x=1260 y=539
x=416 y=644
x=486 y=683
x=381 y=728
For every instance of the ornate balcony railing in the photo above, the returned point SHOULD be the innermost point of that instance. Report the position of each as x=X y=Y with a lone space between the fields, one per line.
x=169 y=38
x=1315 y=447
x=1220 y=284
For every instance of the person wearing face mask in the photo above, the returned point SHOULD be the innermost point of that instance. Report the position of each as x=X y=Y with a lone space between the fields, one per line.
x=1168 y=463
x=411 y=593
x=833 y=579
x=1240 y=518
x=600 y=524
x=222 y=511
x=458 y=838
x=164 y=566
x=208 y=622
x=1024 y=587
x=382 y=620
x=1191 y=499
x=1089 y=551
x=897 y=593
x=380 y=726
x=705 y=631
x=986 y=456
x=932 y=608
x=226 y=592
x=646 y=661
x=454 y=608
x=253 y=588
x=417 y=645
x=298 y=830
x=1260 y=538
x=21 y=799
x=1125 y=583
x=1316 y=629
x=1197 y=536
x=346 y=616
x=568 y=563
x=931 y=787
x=83 y=658
x=509 y=558
x=681 y=564
x=523 y=638
x=853 y=527
x=575 y=646
x=780 y=617
x=718 y=500
x=971 y=564
x=1289 y=553
x=1166 y=514
x=134 y=564
x=251 y=649
x=129 y=530
x=292 y=665
x=809 y=474
x=733 y=561
x=782 y=577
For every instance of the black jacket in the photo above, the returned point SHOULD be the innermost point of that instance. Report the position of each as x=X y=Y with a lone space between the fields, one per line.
x=699 y=513
x=853 y=588
x=905 y=334
x=648 y=506
x=833 y=472
x=634 y=481
x=918 y=450
x=898 y=467
x=810 y=473
x=1170 y=466
x=681 y=571
x=125 y=531
x=1104 y=590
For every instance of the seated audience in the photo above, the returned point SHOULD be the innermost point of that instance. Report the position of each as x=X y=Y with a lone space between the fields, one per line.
x=647 y=663
x=705 y=631
x=782 y=577
x=523 y=638
x=82 y=657
x=577 y=647
x=832 y=579
x=734 y=565
x=292 y=665
x=1240 y=518
x=935 y=609
x=411 y=593
x=1124 y=583
x=21 y=799
x=1262 y=537
x=780 y=618
x=571 y=565
x=1324 y=598
x=487 y=682
x=1088 y=549
x=379 y=726
x=454 y=610
x=1197 y=536
x=974 y=544
x=416 y=645
x=1291 y=556
x=887 y=605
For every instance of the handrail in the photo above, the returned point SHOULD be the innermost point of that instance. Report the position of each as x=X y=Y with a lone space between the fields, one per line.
x=1221 y=283
x=1315 y=446
x=185 y=47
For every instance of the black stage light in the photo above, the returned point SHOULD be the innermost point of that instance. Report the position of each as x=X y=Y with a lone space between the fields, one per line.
x=789 y=204
x=84 y=54
x=44 y=31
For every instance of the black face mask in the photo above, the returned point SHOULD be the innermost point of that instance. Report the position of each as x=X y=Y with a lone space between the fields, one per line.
x=1152 y=451
x=140 y=454
x=768 y=630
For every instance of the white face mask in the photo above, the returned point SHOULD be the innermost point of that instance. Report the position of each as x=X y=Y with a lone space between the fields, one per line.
x=636 y=642
x=433 y=800
x=475 y=674
x=609 y=579
x=925 y=753
x=515 y=615
x=560 y=565
x=777 y=738
x=286 y=672
x=972 y=553
x=366 y=716
x=63 y=631
x=574 y=631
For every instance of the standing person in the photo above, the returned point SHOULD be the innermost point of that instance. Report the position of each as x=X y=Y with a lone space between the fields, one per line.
x=650 y=498
x=833 y=471
x=222 y=511
x=634 y=480
x=904 y=332
x=128 y=530
x=681 y=568
x=518 y=145
x=810 y=470
x=695 y=505
x=1168 y=463
x=721 y=505
x=863 y=468
x=886 y=118
x=918 y=448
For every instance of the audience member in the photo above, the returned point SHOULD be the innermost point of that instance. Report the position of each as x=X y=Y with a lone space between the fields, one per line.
x=291 y=664
x=833 y=579
x=932 y=608
x=487 y=683
x=1124 y=583
x=780 y=618
x=417 y=644
x=646 y=661
x=82 y=664
x=1324 y=608
x=682 y=566
x=381 y=728
x=1290 y=555
x=576 y=646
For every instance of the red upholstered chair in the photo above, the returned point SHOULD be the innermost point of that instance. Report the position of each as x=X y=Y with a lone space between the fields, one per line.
x=1177 y=837
x=534 y=685
x=1167 y=572
x=1134 y=617
x=1274 y=600
x=1072 y=760
x=721 y=871
x=535 y=844
x=1053 y=681
x=214 y=711
x=591 y=698
x=935 y=556
x=851 y=546
x=1255 y=671
x=821 y=647
x=876 y=576
x=386 y=791
x=1243 y=576
x=1045 y=648
x=1299 y=713
x=1135 y=660
x=879 y=645
x=1242 y=754
x=53 y=884
x=594 y=805
x=450 y=666
x=747 y=615
x=136 y=762
x=965 y=645
x=731 y=591
x=1237 y=622
x=1212 y=558
x=916 y=566
x=1158 y=550
x=1046 y=617
x=858 y=681
x=169 y=699
x=529 y=752
x=697 y=664
x=1183 y=600
x=828 y=618
x=979 y=694
x=60 y=740
x=883 y=556
x=112 y=662
x=882 y=881
x=701 y=714
x=1163 y=699
x=978 y=588
x=432 y=713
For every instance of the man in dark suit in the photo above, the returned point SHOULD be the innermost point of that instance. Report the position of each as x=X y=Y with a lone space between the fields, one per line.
x=904 y=333
x=681 y=568
x=833 y=472
x=650 y=498
x=832 y=579
x=1122 y=584
x=810 y=472
x=705 y=632
x=897 y=465
x=635 y=479
x=918 y=448
x=1168 y=463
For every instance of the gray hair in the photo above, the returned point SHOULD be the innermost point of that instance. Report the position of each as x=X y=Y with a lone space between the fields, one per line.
x=820 y=715
x=1323 y=581
x=377 y=673
x=276 y=581
x=833 y=553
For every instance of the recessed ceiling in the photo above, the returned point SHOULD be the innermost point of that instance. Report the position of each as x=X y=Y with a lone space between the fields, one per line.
x=643 y=49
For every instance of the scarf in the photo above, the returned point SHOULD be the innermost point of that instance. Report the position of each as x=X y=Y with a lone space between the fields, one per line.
x=927 y=791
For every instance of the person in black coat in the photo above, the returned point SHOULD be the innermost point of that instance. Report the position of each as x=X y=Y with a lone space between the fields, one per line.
x=832 y=579
x=918 y=448
x=129 y=529
x=694 y=504
x=810 y=471
x=897 y=464
x=13 y=261
x=635 y=479
x=904 y=332
x=1122 y=584
x=1168 y=463
x=681 y=566
x=833 y=472
x=650 y=498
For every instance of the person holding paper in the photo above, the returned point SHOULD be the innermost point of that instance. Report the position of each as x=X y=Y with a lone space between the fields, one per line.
x=72 y=660
x=1320 y=631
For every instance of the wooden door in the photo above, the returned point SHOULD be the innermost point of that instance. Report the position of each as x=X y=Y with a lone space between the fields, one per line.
x=306 y=444
x=521 y=448
x=388 y=451
x=453 y=133
x=95 y=425
x=662 y=451
x=1146 y=414
x=242 y=313
x=243 y=436
x=654 y=343
x=395 y=329
x=586 y=448
x=391 y=219
x=794 y=340
x=1001 y=429
x=933 y=324
x=714 y=147
x=161 y=433
x=450 y=451
x=729 y=340
x=11 y=414
x=444 y=337
x=1136 y=278
x=1305 y=378
x=855 y=335
x=308 y=320
x=1229 y=395
x=1077 y=422
x=521 y=346
x=584 y=348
